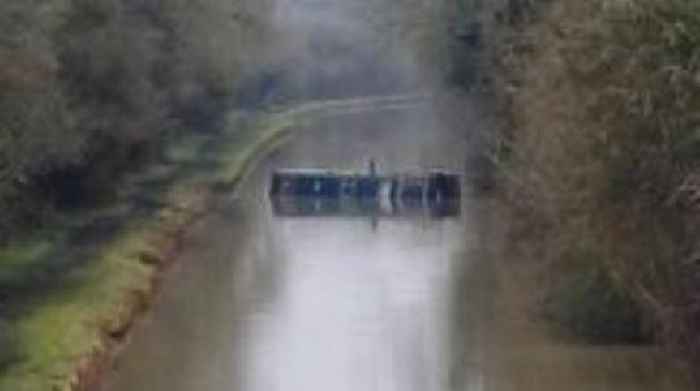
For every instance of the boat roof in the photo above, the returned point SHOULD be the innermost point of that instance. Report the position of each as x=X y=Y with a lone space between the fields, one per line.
x=326 y=172
x=310 y=171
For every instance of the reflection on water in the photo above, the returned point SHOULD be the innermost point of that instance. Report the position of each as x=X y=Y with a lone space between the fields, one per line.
x=360 y=308
x=290 y=206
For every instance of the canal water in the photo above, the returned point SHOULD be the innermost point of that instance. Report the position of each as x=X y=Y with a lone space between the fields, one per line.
x=260 y=302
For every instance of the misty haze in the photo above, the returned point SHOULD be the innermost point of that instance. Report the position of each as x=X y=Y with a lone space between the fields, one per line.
x=387 y=195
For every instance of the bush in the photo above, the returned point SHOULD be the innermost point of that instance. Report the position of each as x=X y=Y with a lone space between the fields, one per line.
x=602 y=147
x=590 y=304
x=8 y=350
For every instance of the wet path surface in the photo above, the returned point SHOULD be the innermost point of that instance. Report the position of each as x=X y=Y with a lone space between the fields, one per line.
x=266 y=303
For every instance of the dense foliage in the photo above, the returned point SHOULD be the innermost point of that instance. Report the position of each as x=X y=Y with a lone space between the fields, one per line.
x=89 y=86
x=601 y=147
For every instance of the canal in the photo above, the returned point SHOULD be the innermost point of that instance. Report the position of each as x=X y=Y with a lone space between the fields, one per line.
x=259 y=302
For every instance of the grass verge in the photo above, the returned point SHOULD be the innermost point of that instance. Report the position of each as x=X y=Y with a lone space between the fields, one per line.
x=68 y=299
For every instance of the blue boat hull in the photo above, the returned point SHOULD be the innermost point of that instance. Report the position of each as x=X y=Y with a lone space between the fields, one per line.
x=331 y=194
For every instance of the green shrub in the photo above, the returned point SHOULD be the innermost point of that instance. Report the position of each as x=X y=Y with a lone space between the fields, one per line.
x=8 y=350
x=602 y=98
x=589 y=304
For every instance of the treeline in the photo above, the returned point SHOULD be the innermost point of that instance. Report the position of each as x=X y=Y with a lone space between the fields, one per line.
x=88 y=87
x=601 y=154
